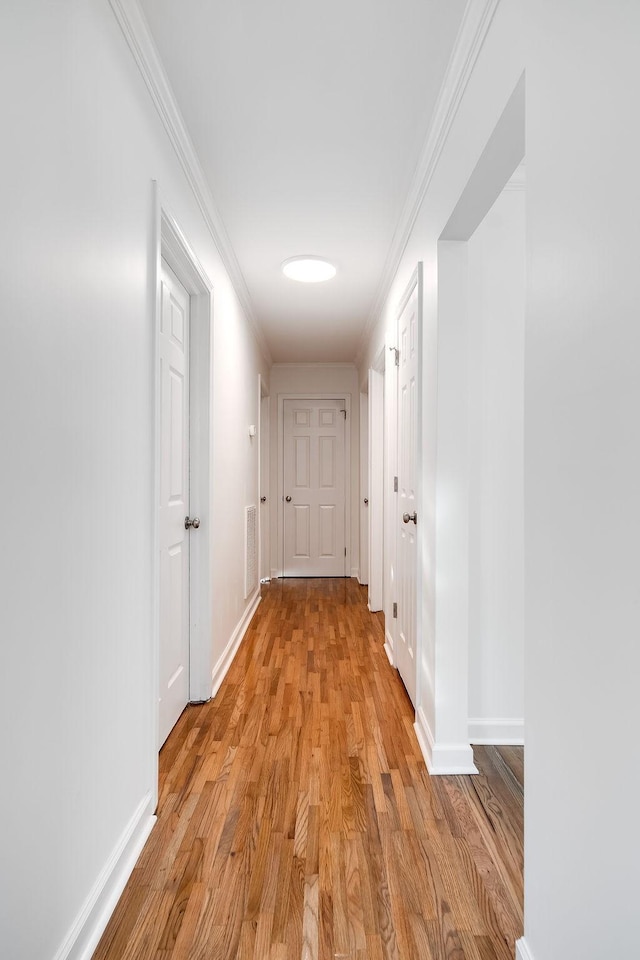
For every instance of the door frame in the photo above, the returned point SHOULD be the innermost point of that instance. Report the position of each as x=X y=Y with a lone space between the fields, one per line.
x=446 y=748
x=390 y=495
x=171 y=245
x=344 y=395
x=416 y=282
x=264 y=509
x=364 y=499
x=375 y=455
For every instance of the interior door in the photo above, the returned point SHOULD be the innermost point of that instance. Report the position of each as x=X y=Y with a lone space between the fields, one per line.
x=314 y=488
x=174 y=501
x=265 y=412
x=407 y=559
x=364 y=490
x=376 y=489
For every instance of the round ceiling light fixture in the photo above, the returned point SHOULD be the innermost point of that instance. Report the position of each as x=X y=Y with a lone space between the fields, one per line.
x=307 y=269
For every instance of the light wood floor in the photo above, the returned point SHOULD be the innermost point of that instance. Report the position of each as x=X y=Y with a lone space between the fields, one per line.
x=297 y=819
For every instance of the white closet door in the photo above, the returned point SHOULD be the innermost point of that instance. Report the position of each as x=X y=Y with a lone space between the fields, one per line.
x=174 y=502
x=407 y=559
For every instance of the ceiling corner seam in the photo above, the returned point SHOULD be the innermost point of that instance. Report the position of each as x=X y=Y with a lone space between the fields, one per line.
x=136 y=32
x=476 y=22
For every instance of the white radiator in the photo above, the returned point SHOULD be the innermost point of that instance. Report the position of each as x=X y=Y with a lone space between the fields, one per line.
x=250 y=551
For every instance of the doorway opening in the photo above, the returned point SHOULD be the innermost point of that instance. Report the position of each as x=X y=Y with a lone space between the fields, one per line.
x=182 y=496
x=442 y=720
x=314 y=483
x=264 y=442
x=406 y=486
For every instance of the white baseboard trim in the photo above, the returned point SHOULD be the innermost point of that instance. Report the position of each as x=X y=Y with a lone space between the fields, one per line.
x=224 y=662
x=83 y=937
x=355 y=572
x=442 y=759
x=388 y=647
x=522 y=950
x=497 y=730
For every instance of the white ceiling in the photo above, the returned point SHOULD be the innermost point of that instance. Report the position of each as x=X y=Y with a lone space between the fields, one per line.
x=308 y=121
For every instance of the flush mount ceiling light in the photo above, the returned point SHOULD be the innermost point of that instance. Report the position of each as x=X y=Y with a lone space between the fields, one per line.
x=308 y=269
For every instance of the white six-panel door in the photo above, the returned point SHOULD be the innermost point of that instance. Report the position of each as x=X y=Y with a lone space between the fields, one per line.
x=407 y=557
x=174 y=502
x=314 y=482
x=265 y=448
x=376 y=490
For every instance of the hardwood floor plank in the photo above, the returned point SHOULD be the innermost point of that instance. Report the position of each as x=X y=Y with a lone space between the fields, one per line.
x=513 y=757
x=310 y=936
x=297 y=821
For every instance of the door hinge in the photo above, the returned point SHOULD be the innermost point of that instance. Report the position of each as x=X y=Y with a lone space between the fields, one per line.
x=395 y=611
x=395 y=484
x=345 y=551
x=345 y=413
x=396 y=353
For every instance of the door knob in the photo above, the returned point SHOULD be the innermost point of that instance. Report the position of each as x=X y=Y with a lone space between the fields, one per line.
x=366 y=501
x=410 y=516
x=288 y=499
x=263 y=499
x=195 y=523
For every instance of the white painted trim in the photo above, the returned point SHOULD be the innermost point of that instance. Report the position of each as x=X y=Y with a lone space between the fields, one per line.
x=388 y=647
x=156 y=301
x=390 y=470
x=264 y=473
x=522 y=950
x=219 y=671
x=473 y=30
x=355 y=573
x=136 y=31
x=176 y=250
x=364 y=489
x=346 y=397
x=90 y=924
x=443 y=759
x=415 y=283
x=497 y=730
x=379 y=363
x=375 y=514
x=180 y=256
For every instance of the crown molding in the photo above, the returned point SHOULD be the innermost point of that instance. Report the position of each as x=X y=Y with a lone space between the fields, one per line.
x=476 y=21
x=136 y=31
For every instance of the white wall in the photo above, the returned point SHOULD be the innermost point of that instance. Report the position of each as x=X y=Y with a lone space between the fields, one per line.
x=496 y=296
x=495 y=76
x=582 y=480
x=82 y=143
x=317 y=378
x=582 y=459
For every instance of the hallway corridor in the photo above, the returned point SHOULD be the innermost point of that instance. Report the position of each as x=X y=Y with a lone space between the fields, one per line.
x=297 y=820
